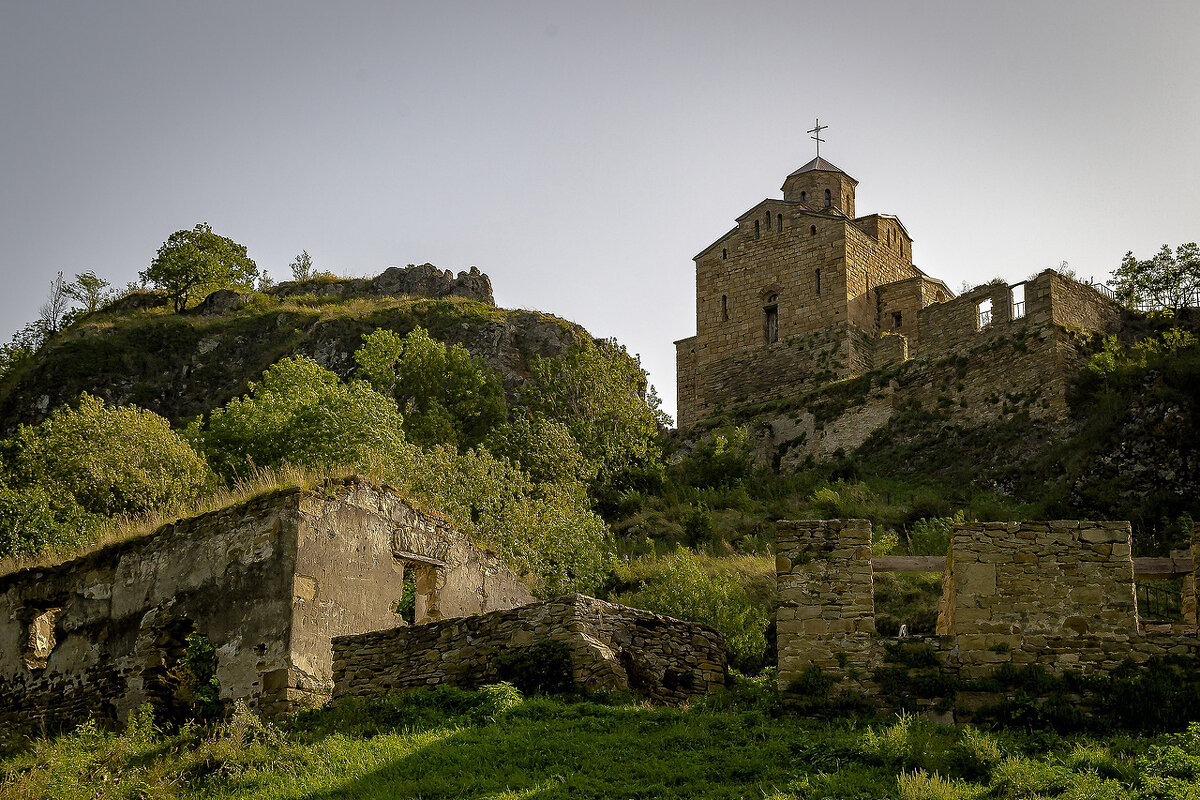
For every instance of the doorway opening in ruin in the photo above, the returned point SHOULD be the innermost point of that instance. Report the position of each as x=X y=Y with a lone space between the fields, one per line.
x=418 y=602
x=40 y=639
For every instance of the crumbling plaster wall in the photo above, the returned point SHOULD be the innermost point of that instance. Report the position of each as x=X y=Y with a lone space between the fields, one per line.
x=126 y=611
x=269 y=582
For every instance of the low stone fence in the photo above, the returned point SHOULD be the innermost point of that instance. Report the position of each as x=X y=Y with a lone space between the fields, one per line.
x=606 y=646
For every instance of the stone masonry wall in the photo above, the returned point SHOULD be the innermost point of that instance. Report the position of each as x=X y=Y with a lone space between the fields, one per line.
x=610 y=647
x=826 y=616
x=1057 y=594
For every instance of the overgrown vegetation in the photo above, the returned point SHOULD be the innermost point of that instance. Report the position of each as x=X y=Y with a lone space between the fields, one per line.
x=495 y=743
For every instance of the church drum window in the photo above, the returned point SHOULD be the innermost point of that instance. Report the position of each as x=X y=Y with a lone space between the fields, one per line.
x=828 y=199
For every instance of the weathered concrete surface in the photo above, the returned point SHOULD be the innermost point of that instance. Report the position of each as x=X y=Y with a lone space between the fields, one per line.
x=268 y=582
x=609 y=646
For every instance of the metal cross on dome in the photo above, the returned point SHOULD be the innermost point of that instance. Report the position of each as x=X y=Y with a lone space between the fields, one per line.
x=816 y=131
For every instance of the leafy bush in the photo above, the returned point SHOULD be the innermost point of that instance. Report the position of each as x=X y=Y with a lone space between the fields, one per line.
x=302 y=414
x=680 y=587
x=448 y=396
x=111 y=459
x=721 y=460
x=599 y=392
x=543 y=448
x=931 y=536
x=33 y=522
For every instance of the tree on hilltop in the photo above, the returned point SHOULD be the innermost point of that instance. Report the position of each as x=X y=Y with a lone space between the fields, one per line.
x=1168 y=279
x=197 y=262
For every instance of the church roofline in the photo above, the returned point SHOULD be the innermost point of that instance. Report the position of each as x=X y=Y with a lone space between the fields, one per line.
x=887 y=216
x=819 y=164
x=803 y=208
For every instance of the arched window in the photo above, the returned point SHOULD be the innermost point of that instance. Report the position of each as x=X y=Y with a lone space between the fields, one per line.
x=756 y=231
x=768 y=220
x=828 y=201
x=724 y=308
x=804 y=197
x=724 y=253
x=812 y=230
x=779 y=222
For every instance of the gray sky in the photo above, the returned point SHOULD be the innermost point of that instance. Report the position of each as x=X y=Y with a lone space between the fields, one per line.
x=581 y=153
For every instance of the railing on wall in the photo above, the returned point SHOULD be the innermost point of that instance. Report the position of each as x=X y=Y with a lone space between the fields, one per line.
x=1190 y=299
x=1158 y=602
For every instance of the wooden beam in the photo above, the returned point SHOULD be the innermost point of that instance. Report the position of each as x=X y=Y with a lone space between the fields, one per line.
x=908 y=563
x=1161 y=567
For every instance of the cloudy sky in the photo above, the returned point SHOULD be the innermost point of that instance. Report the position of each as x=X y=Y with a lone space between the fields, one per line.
x=581 y=153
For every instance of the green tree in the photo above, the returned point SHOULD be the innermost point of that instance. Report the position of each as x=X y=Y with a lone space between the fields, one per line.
x=547 y=533
x=301 y=413
x=301 y=267
x=110 y=459
x=600 y=393
x=1170 y=280
x=197 y=262
x=447 y=395
x=543 y=448
x=90 y=290
x=34 y=521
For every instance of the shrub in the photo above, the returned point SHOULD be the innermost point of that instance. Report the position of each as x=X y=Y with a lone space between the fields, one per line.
x=302 y=414
x=448 y=396
x=680 y=587
x=111 y=459
x=33 y=522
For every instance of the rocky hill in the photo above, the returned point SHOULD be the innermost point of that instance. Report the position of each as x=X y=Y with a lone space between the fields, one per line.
x=179 y=365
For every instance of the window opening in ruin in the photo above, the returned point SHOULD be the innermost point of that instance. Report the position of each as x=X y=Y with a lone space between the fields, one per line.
x=40 y=640
x=818 y=281
x=1016 y=296
x=828 y=199
x=771 y=321
x=1159 y=601
x=417 y=603
x=756 y=232
x=812 y=230
x=407 y=606
x=984 y=311
x=724 y=308
x=896 y=320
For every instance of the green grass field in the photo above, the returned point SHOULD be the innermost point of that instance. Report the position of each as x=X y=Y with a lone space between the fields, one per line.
x=494 y=744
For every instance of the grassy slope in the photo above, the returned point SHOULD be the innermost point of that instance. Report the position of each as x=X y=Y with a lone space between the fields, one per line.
x=450 y=744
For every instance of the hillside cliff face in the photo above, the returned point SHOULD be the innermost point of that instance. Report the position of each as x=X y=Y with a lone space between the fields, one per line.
x=179 y=365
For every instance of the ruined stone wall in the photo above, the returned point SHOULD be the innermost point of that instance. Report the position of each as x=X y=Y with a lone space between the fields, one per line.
x=609 y=646
x=423 y=280
x=826 y=616
x=124 y=614
x=268 y=583
x=1057 y=594
x=354 y=549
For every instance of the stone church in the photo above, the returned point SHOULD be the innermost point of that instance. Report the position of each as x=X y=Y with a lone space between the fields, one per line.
x=800 y=292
